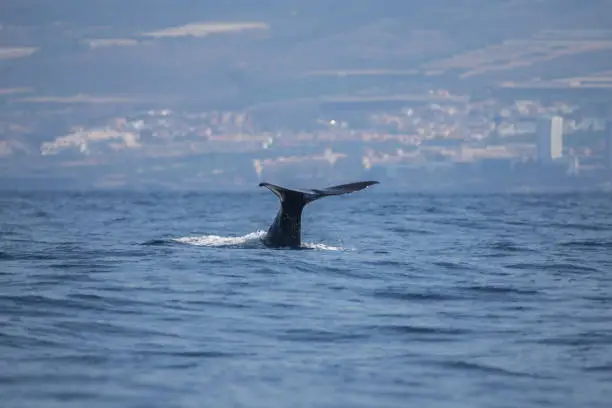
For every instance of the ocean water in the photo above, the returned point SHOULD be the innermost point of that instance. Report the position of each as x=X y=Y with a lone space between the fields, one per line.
x=170 y=300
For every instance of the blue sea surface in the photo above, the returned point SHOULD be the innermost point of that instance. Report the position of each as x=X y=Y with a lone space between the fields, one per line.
x=170 y=300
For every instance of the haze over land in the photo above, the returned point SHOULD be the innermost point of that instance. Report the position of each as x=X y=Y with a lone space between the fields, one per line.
x=195 y=94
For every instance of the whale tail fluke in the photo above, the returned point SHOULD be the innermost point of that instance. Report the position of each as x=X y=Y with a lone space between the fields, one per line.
x=286 y=228
x=306 y=196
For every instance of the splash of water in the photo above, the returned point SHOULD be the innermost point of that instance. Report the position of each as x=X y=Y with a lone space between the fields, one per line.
x=322 y=247
x=251 y=240
x=219 y=241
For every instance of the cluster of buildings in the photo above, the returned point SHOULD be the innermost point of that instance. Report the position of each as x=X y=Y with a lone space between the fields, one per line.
x=517 y=142
x=523 y=144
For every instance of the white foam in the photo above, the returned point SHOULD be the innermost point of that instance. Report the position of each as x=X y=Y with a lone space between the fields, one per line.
x=219 y=241
x=253 y=238
x=322 y=247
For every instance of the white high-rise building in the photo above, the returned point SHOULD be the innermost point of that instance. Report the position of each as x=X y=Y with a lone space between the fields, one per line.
x=550 y=138
x=609 y=143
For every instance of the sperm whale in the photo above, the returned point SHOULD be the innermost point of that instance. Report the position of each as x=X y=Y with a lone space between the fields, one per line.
x=285 y=230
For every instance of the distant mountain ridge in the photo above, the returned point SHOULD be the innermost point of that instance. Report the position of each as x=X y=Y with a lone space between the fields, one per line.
x=102 y=47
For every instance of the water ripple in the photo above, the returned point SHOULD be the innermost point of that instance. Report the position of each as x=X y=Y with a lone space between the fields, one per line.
x=138 y=299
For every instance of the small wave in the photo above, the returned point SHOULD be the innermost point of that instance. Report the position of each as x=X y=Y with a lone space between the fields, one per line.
x=584 y=339
x=4 y=256
x=502 y=290
x=484 y=368
x=192 y=353
x=555 y=267
x=588 y=244
x=424 y=330
x=507 y=246
x=451 y=265
x=412 y=231
x=602 y=368
x=399 y=294
x=316 y=335
x=155 y=242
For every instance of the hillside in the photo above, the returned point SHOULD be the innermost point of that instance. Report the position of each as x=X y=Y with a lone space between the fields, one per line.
x=240 y=53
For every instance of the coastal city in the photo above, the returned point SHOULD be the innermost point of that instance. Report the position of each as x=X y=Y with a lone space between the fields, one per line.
x=455 y=142
x=221 y=105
